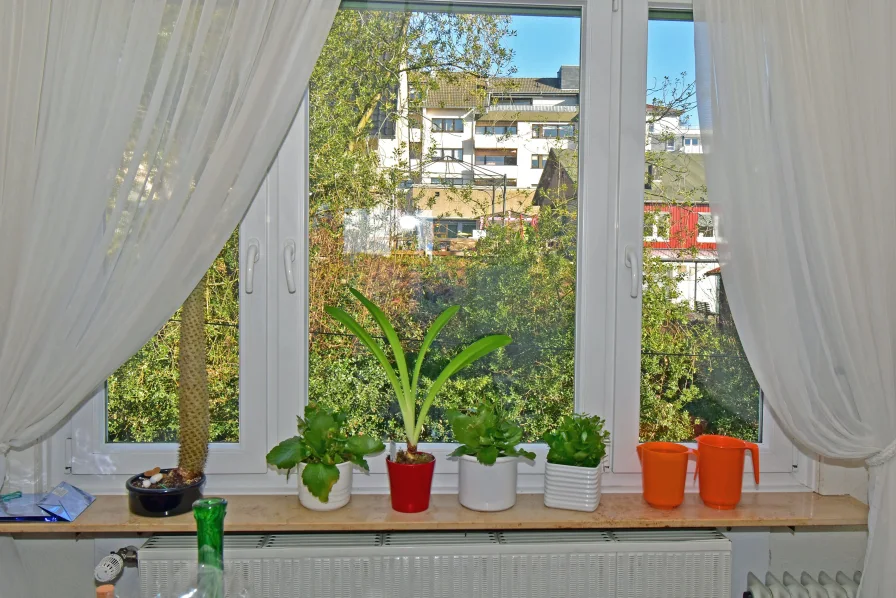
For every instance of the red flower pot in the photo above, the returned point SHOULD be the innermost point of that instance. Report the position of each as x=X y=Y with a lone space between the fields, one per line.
x=410 y=485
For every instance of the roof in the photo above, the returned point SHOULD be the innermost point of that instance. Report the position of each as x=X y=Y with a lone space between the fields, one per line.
x=466 y=92
x=678 y=176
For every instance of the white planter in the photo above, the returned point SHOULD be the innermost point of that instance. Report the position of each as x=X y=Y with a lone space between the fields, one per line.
x=339 y=495
x=572 y=488
x=487 y=487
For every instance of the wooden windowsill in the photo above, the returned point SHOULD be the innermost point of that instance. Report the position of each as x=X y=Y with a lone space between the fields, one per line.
x=264 y=513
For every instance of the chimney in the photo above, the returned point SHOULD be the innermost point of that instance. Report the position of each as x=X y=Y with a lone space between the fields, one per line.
x=569 y=77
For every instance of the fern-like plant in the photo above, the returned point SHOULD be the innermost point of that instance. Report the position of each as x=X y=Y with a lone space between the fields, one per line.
x=404 y=383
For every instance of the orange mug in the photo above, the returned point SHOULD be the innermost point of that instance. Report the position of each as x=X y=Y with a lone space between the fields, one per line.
x=720 y=463
x=664 y=469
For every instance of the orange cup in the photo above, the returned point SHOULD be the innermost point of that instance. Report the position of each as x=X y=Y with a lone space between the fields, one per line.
x=664 y=469
x=720 y=463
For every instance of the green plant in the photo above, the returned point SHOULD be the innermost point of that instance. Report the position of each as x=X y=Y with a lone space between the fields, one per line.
x=322 y=444
x=579 y=440
x=486 y=434
x=405 y=385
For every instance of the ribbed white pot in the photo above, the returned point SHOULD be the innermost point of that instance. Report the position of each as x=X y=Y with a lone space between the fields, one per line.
x=487 y=487
x=570 y=487
x=339 y=495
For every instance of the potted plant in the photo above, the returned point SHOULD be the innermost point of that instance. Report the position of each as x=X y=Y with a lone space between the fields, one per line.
x=488 y=458
x=572 y=474
x=325 y=455
x=163 y=492
x=410 y=471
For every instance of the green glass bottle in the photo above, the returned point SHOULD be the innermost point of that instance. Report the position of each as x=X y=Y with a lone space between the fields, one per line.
x=209 y=514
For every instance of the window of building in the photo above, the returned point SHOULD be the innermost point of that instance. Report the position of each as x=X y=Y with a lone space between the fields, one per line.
x=539 y=160
x=691 y=141
x=657 y=224
x=512 y=101
x=553 y=131
x=706 y=230
x=670 y=145
x=455 y=228
x=496 y=129
x=496 y=157
x=447 y=181
x=454 y=125
x=443 y=153
x=650 y=128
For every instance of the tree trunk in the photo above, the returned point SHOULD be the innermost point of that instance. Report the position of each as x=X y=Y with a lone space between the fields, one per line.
x=193 y=410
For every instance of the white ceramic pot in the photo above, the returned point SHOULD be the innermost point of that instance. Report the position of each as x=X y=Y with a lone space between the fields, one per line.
x=339 y=495
x=570 y=487
x=487 y=487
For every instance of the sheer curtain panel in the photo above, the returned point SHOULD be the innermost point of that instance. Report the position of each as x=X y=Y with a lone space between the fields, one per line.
x=797 y=106
x=133 y=136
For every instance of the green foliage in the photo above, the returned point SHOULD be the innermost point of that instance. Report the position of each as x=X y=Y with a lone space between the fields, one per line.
x=486 y=434
x=322 y=443
x=578 y=440
x=405 y=388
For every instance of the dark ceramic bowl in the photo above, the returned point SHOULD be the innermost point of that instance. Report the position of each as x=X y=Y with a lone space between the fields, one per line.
x=162 y=502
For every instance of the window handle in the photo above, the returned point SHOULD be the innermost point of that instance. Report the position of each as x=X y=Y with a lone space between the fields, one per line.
x=633 y=263
x=251 y=259
x=289 y=258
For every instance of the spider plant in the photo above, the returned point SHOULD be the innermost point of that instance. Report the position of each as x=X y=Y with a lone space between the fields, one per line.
x=405 y=383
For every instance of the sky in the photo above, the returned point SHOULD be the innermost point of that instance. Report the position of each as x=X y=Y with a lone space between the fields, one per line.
x=542 y=44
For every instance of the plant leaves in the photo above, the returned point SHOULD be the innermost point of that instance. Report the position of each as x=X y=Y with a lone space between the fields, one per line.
x=364 y=445
x=320 y=478
x=488 y=455
x=288 y=454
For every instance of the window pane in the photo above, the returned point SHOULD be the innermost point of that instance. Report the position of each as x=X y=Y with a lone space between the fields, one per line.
x=464 y=235
x=695 y=378
x=141 y=396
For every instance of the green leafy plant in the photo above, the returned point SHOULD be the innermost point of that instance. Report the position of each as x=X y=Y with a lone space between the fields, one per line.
x=486 y=434
x=403 y=383
x=322 y=444
x=578 y=440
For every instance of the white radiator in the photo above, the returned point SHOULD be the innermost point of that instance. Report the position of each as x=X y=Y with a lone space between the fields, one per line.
x=824 y=586
x=504 y=564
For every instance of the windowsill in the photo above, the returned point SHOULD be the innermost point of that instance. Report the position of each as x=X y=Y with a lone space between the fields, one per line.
x=372 y=512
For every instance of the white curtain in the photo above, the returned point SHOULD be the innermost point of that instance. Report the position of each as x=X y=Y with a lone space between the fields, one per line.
x=133 y=136
x=797 y=105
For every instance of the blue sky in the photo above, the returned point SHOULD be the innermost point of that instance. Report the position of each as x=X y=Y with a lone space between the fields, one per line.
x=542 y=44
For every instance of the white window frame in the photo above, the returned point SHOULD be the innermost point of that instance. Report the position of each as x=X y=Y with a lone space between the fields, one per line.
x=607 y=368
x=655 y=236
x=703 y=238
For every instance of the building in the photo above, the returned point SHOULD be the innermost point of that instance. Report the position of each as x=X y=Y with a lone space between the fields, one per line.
x=477 y=149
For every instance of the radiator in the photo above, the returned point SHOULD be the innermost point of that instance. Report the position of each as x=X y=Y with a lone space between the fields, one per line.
x=502 y=564
x=824 y=586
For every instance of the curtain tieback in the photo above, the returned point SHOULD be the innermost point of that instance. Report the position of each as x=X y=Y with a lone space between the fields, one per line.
x=876 y=460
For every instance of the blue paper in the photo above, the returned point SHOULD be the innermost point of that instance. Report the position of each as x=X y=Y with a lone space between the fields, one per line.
x=25 y=508
x=66 y=502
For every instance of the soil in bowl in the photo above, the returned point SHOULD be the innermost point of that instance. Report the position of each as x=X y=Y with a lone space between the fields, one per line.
x=169 y=495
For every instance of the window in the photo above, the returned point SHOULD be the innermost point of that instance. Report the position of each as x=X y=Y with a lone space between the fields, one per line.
x=705 y=228
x=693 y=376
x=449 y=154
x=456 y=229
x=512 y=101
x=448 y=125
x=455 y=181
x=650 y=128
x=657 y=225
x=659 y=359
x=496 y=158
x=496 y=129
x=553 y=131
